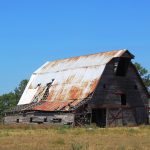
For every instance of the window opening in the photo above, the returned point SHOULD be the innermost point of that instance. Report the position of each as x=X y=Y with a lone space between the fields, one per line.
x=121 y=66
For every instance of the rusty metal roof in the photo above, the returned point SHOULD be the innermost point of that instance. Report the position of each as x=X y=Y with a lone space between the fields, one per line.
x=74 y=80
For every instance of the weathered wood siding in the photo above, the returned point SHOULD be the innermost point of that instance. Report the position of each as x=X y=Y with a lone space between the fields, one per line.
x=41 y=117
x=107 y=96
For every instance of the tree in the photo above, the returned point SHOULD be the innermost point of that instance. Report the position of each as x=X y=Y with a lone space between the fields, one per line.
x=7 y=101
x=144 y=75
x=11 y=99
x=20 y=89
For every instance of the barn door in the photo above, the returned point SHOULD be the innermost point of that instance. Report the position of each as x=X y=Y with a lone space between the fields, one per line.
x=115 y=117
x=99 y=117
x=120 y=117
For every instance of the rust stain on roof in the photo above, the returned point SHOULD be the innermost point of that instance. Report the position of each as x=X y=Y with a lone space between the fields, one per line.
x=51 y=106
x=75 y=92
x=93 y=85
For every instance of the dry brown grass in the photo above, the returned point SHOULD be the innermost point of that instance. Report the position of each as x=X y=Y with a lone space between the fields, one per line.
x=40 y=137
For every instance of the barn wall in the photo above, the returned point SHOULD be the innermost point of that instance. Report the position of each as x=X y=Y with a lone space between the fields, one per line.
x=39 y=117
x=12 y=119
x=108 y=95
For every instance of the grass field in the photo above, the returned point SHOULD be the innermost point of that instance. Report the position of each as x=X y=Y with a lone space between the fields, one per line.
x=40 y=137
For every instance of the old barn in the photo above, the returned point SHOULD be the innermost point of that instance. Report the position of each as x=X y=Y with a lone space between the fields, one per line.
x=103 y=88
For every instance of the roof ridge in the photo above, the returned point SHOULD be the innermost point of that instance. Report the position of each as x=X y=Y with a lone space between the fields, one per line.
x=88 y=54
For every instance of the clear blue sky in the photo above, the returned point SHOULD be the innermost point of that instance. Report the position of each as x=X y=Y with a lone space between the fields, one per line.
x=35 y=31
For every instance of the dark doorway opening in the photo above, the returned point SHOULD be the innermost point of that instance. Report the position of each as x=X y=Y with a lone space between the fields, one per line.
x=17 y=121
x=45 y=119
x=31 y=119
x=99 y=117
x=123 y=99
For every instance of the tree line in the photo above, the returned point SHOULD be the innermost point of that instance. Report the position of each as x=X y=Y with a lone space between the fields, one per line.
x=11 y=99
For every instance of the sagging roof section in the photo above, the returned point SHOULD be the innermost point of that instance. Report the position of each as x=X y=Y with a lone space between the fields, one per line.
x=70 y=80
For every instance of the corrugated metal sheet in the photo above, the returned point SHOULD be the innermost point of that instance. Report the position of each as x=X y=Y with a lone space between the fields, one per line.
x=74 y=80
x=52 y=106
